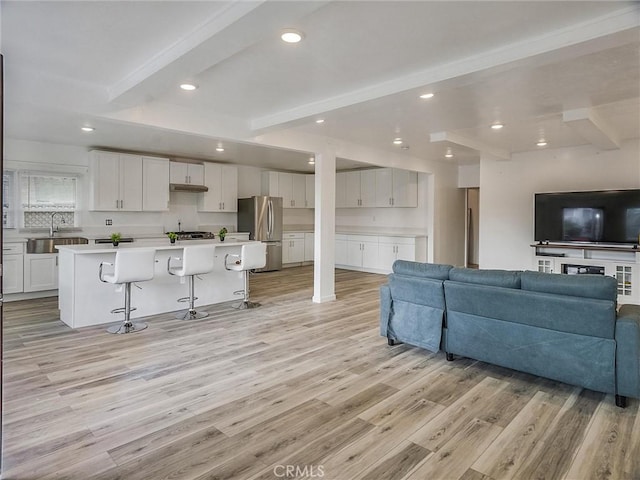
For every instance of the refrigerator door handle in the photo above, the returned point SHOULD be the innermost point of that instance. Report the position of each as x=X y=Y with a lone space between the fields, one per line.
x=269 y=219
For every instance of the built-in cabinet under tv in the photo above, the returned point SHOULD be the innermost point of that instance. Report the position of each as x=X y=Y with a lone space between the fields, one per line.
x=620 y=262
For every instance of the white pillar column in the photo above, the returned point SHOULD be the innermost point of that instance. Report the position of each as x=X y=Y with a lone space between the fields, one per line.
x=325 y=228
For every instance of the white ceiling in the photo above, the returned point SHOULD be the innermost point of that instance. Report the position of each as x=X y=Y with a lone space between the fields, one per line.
x=361 y=67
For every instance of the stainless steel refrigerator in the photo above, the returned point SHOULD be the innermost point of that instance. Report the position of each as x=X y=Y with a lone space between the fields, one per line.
x=262 y=218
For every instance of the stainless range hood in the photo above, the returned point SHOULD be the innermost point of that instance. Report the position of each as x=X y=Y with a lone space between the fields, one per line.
x=187 y=187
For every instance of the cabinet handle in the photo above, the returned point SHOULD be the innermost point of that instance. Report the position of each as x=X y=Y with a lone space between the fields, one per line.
x=393 y=201
x=121 y=203
x=117 y=203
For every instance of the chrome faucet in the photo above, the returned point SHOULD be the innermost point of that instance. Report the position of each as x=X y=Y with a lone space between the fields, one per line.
x=52 y=229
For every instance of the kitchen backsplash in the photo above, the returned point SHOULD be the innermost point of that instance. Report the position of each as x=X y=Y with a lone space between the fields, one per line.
x=43 y=219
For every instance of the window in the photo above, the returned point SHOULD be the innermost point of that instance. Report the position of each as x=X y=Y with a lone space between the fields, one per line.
x=41 y=194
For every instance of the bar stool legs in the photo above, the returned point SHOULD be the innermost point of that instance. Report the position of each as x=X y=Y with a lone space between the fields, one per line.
x=245 y=303
x=191 y=313
x=127 y=326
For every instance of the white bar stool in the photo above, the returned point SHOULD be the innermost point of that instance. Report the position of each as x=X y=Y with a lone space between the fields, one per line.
x=252 y=255
x=196 y=260
x=130 y=266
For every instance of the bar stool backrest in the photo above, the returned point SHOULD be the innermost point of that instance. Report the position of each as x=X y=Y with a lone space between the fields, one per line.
x=134 y=265
x=253 y=255
x=197 y=259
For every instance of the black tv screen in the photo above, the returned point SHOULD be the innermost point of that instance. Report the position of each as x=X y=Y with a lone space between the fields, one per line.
x=611 y=216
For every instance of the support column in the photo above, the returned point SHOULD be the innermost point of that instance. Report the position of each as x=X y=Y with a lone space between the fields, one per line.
x=325 y=228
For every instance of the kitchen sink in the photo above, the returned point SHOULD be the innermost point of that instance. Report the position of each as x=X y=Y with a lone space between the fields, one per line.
x=47 y=244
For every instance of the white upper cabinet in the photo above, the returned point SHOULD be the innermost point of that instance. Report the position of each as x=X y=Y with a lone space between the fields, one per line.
x=405 y=188
x=310 y=191
x=292 y=187
x=368 y=188
x=379 y=187
x=115 y=182
x=222 y=181
x=352 y=189
x=155 y=184
x=358 y=189
x=187 y=173
x=341 y=190
x=299 y=190
x=396 y=188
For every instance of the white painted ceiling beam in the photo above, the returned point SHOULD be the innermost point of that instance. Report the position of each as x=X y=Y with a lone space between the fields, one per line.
x=586 y=123
x=470 y=143
x=577 y=35
x=229 y=32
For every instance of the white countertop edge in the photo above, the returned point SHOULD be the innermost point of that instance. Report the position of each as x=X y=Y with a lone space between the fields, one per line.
x=106 y=248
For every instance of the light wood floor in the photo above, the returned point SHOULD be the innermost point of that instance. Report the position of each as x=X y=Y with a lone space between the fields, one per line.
x=290 y=390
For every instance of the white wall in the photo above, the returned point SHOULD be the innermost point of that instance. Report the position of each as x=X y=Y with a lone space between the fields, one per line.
x=27 y=155
x=507 y=189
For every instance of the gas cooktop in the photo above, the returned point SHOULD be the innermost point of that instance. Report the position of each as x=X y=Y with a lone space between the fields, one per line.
x=194 y=235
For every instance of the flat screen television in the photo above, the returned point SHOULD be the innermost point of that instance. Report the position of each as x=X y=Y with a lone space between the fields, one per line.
x=609 y=216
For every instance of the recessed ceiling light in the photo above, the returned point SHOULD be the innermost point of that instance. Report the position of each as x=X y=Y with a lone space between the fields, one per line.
x=320 y=120
x=87 y=129
x=188 y=86
x=291 y=36
x=397 y=141
x=219 y=149
x=426 y=96
x=497 y=126
x=449 y=154
x=542 y=143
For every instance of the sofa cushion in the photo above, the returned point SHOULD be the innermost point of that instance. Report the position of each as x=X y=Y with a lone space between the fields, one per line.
x=421 y=291
x=582 y=316
x=494 y=278
x=424 y=270
x=587 y=286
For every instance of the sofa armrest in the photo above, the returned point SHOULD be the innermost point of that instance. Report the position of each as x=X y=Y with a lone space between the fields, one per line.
x=628 y=351
x=385 y=309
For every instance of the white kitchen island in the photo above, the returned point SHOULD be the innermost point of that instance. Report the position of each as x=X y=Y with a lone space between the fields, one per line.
x=84 y=300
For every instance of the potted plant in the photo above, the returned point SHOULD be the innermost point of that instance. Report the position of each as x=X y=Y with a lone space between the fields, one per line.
x=115 y=238
x=223 y=231
x=172 y=237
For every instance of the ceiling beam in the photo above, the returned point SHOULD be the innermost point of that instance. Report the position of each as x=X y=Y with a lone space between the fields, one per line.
x=232 y=29
x=471 y=143
x=586 y=123
x=553 y=45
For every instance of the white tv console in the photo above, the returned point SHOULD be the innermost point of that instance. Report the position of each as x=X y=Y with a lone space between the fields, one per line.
x=619 y=262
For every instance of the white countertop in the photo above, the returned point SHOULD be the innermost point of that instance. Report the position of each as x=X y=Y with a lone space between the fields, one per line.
x=352 y=230
x=160 y=245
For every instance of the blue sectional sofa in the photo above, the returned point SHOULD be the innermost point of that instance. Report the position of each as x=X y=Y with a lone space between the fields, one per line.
x=563 y=327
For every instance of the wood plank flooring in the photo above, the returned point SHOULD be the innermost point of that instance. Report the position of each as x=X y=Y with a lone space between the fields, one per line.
x=290 y=390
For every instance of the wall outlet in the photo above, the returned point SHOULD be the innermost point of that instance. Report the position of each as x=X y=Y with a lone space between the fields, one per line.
x=108 y=221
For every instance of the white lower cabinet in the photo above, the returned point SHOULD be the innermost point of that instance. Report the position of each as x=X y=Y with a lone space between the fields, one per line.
x=292 y=248
x=362 y=251
x=309 y=242
x=377 y=253
x=12 y=268
x=40 y=272
x=341 y=250
x=391 y=249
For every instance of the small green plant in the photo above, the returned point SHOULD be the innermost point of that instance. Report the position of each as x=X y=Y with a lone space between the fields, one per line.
x=116 y=237
x=223 y=231
x=172 y=236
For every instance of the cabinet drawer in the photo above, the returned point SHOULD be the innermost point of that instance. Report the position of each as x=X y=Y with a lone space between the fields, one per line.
x=293 y=236
x=363 y=238
x=397 y=240
x=12 y=248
